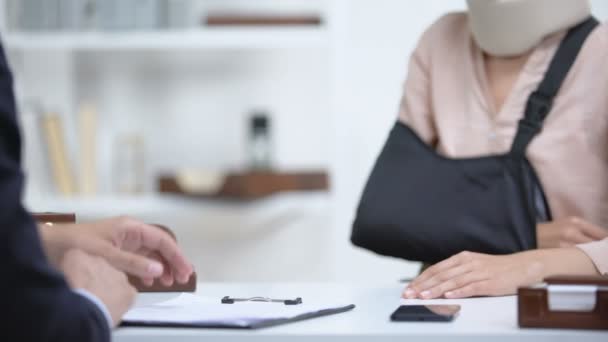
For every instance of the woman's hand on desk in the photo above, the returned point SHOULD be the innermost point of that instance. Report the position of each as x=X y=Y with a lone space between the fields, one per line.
x=470 y=274
x=568 y=232
x=129 y=245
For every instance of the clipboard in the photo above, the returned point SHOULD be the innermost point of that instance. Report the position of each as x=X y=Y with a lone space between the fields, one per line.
x=539 y=305
x=243 y=313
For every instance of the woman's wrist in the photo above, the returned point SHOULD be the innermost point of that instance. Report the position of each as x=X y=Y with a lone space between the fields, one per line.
x=565 y=261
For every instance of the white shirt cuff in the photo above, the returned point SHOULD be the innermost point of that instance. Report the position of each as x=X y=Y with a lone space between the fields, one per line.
x=100 y=305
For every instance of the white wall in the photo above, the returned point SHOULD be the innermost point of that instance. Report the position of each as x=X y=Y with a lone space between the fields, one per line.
x=600 y=9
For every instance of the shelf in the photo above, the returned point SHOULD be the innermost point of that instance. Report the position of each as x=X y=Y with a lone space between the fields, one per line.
x=236 y=219
x=167 y=202
x=244 y=185
x=209 y=38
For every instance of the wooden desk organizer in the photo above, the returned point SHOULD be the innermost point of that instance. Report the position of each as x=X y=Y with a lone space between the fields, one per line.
x=65 y=218
x=534 y=312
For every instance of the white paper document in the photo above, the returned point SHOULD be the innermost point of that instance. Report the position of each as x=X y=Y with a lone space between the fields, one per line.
x=191 y=310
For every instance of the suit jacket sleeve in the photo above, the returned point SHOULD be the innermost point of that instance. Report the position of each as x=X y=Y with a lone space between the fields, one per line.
x=36 y=302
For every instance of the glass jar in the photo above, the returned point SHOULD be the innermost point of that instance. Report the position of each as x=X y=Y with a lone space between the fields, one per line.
x=129 y=164
x=260 y=144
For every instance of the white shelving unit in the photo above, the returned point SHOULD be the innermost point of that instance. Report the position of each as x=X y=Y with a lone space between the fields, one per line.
x=58 y=84
x=133 y=74
x=217 y=218
x=212 y=38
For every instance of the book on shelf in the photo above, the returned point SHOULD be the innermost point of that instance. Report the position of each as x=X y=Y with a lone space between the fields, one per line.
x=34 y=15
x=39 y=180
x=132 y=14
x=77 y=15
x=114 y=14
x=120 y=15
x=87 y=137
x=28 y=14
x=57 y=154
x=147 y=14
x=179 y=14
x=12 y=14
x=80 y=15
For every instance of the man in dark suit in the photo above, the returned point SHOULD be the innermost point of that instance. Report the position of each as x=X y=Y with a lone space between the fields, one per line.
x=37 y=302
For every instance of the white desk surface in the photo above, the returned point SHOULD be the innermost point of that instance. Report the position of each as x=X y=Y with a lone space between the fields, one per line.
x=481 y=319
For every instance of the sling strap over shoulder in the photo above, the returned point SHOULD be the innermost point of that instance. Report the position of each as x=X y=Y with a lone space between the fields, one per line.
x=540 y=101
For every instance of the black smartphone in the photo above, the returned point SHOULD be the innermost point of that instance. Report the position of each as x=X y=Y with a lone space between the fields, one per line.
x=430 y=313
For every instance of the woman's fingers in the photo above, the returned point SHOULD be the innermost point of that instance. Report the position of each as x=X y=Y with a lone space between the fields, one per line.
x=574 y=237
x=412 y=289
x=454 y=284
x=440 y=267
x=442 y=278
x=473 y=289
x=453 y=262
x=590 y=230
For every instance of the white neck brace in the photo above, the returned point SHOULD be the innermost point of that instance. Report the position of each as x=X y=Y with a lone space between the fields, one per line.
x=508 y=28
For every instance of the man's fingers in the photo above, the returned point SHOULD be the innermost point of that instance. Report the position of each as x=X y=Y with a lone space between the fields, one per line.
x=159 y=241
x=132 y=263
x=147 y=281
x=591 y=230
x=154 y=256
x=167 y=277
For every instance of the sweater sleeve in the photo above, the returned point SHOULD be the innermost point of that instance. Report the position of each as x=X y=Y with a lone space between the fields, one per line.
x=598 y=252
x=416 y=108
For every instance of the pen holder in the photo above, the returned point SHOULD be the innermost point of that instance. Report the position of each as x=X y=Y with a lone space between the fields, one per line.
x=534 y=310
x=54 y=218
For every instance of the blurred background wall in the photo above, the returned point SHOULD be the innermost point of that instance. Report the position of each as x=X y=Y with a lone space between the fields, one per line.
x=185 y=91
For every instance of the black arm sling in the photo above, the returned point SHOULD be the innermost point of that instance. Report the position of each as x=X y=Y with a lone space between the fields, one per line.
x=418 y=205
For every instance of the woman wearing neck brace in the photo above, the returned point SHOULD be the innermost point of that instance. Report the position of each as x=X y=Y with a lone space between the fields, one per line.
x=467 y=86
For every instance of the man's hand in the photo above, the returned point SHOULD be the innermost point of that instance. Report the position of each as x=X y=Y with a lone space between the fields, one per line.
x=470 y=274
x=94 y=274
x=568 y=232
x=127 y=244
